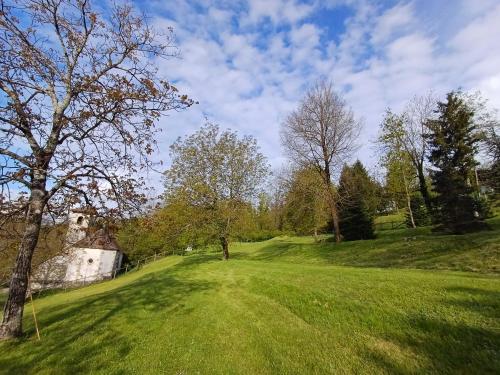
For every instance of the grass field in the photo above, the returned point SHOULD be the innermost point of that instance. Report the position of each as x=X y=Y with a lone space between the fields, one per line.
x=407 y=302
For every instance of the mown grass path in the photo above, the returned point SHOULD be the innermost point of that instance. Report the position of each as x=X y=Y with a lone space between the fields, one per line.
x=284 y=306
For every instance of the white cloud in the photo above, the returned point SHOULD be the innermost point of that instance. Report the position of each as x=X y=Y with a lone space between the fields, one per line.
x=249 y=79
x=278 y=11
x=395 y=19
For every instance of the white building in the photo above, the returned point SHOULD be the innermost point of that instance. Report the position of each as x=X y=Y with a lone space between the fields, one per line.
x=88 y=256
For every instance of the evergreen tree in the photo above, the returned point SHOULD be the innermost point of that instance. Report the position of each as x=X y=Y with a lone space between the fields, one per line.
x=420 y=214
x=358 y=195
x=453 y=142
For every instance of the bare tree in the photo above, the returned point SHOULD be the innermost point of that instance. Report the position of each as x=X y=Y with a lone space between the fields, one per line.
x=79 y=97
x=322 y=133
x=413 y=138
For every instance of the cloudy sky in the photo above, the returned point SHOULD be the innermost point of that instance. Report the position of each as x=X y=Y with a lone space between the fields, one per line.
x=248 y=63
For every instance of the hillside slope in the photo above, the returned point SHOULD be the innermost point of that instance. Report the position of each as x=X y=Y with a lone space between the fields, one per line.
x=281 y=306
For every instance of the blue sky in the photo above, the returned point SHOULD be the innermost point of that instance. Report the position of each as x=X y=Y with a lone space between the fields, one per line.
x=248 y=63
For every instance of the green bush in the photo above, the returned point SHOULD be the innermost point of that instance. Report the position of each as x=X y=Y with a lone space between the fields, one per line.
x=482 y=206
x=356 y=222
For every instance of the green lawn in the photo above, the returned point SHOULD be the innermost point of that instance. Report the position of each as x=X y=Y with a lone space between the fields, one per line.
x=284 y=306
x=398 y=216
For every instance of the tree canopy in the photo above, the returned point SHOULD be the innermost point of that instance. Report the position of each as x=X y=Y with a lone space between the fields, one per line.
x=217 y=174
x=453 y=145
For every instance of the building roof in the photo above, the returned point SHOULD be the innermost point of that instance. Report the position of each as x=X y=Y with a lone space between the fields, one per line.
x=100 y=239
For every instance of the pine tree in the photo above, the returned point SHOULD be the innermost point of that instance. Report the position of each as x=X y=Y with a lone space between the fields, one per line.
x=358 y=193
x=452 y=142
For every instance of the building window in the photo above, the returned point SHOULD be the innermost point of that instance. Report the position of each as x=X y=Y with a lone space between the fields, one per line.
x=79 y=221
x=90 y=261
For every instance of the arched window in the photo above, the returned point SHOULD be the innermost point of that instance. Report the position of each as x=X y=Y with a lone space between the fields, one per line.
x=79 y=221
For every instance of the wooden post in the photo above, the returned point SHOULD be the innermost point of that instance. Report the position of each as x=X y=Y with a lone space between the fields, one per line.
x=33 y=308
x=126 y=268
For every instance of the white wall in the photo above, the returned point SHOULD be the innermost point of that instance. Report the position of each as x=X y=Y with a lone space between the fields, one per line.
x=103 y=264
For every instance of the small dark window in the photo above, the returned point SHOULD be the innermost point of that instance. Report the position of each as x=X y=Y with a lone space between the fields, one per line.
x=90 y=261
x=79 y=221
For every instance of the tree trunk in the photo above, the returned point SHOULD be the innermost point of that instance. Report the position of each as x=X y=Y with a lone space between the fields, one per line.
x=423 y=188
x=332 y=202
x=334 y=214
x=408 y=201
x=14 y=306
x=225 y=247
x=335 y=218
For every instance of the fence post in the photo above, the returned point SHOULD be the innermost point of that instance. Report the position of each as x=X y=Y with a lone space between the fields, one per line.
x=114 y=274
x=126 y=268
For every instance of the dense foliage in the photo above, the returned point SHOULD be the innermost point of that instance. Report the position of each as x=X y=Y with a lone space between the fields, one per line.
x=214 y=177
x=453 y=145
x=306 y=209
x=360 y=199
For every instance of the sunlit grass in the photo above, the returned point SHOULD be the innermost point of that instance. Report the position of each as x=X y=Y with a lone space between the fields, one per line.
x=288 y=305
x=396 y=217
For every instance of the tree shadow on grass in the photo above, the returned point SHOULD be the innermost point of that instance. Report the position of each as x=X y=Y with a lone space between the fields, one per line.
x=190 y=261
x=480 y=301
x=74 y=335
x=446 y=346
x=462 y=253
x=275 y=250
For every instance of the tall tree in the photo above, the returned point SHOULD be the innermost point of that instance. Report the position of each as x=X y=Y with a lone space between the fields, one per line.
x=78 y=100
x=489 y=130
x=417 y=112
x=322 y=133
x=410 y=136
x=217 y=173
x=491 y=139
x=453 y=145
x=396 y=159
